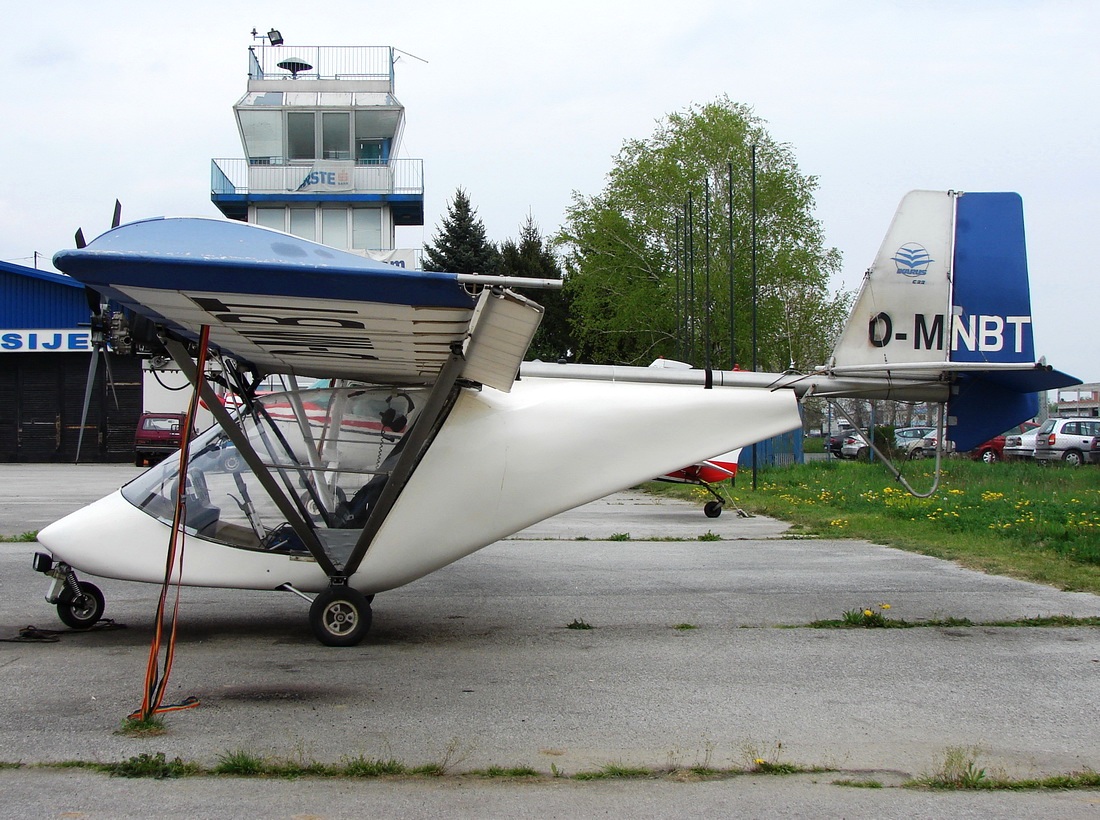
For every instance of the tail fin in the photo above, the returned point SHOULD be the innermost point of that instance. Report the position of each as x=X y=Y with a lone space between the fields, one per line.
x=948 y=298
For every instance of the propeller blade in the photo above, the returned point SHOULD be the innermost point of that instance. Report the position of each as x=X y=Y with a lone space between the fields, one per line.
x=95 y=301
x=80 y=243
x=116 y=220
x=87 y=401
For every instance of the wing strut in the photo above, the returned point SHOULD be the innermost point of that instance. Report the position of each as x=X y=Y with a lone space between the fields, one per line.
x=301 y=528
x=440 y=400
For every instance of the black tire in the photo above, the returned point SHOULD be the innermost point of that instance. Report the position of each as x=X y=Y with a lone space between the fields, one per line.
x=1073 y=458
x=340 y=616
x=863 y=454
x=139 y=460
x=712 y=509
x=989 y=456
x=83 y=611
x=916 y=453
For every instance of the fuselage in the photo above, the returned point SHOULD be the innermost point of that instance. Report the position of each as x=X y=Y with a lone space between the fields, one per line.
x=499 y=463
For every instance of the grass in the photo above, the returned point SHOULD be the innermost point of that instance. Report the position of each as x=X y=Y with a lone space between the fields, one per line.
x=1018 y=519
x=850 y=620
x=22 y=538
x=155 y=766
x=957 y=769
x=143 y=727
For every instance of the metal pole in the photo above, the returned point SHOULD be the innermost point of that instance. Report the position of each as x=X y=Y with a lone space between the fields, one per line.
x=729 y=220
x=706 y=252
x=755 y=367
x=691 y=278
x=676 y=265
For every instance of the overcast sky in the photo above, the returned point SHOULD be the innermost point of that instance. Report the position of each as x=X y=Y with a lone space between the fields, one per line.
x=523 y=103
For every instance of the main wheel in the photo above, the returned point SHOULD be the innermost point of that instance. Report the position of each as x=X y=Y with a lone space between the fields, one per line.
x=916 y=453
x=989 y=456
x=81 y=611
x=1073 y=458
x=712 y=509
x=340 y=616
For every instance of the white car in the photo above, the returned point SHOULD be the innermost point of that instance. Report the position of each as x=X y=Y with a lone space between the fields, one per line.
x=854 y=446
x=1020 y=446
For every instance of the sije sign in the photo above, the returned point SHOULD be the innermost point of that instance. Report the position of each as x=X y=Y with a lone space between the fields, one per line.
x=40 y=340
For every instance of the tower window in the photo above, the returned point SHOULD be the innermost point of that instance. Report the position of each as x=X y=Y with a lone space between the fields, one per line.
x=300 y=136
x=336 y=135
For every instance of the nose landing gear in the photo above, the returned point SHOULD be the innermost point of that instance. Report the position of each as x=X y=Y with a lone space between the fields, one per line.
x=79 y=603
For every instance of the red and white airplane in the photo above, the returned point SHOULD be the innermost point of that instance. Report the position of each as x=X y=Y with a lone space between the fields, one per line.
x=433 y=439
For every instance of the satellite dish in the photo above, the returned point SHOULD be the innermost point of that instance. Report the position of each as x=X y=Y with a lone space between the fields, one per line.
x=294 y=65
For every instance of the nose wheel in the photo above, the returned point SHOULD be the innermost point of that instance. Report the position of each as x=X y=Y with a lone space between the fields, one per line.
x=80 y=610
x=340 y=616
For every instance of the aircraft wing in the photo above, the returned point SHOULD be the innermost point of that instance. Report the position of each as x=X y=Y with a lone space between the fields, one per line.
x=287 y=305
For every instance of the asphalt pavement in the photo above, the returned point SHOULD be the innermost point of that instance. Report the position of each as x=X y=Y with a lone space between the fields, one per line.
x=475 y=666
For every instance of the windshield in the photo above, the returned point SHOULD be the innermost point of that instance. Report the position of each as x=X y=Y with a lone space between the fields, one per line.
x=331 y=450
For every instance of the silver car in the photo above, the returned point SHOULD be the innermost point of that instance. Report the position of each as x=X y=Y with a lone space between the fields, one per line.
x=1067 y=440
x=909 y=439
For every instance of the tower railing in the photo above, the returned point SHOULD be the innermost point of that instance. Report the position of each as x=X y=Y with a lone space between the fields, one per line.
x=321 y=62
x=276 y=175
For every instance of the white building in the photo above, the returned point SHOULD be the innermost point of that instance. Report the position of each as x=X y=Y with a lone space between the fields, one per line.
x=321 y=130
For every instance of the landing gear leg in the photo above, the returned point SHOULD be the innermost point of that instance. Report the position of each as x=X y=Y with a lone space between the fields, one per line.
x=340 y=616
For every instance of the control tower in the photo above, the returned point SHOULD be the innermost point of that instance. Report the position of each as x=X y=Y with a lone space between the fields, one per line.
x=321 y=130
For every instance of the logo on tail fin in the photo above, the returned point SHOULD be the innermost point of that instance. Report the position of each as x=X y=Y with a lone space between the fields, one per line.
x=912 y=259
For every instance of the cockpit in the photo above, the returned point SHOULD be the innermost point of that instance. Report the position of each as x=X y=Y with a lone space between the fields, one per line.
x=331 y=450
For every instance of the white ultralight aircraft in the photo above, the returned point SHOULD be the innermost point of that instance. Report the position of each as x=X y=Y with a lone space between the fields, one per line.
x=429 y=440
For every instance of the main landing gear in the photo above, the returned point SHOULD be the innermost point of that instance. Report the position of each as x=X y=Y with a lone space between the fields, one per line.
x=79 y=603
x=339 y=616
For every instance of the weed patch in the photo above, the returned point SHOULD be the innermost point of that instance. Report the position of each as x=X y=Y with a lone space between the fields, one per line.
x=146 y=765
x=150 y=726
x=364 y=767
x=241 y=763
x=858 y=784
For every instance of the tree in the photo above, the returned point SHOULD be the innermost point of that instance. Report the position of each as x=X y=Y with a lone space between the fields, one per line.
x=460 y=244
x=533 y=257
x=629 y=253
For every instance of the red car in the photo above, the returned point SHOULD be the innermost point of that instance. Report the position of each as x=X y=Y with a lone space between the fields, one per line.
x=993 y=450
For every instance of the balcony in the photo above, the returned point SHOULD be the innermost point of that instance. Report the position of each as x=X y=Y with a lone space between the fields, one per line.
x=277 y=176
x=398 y=185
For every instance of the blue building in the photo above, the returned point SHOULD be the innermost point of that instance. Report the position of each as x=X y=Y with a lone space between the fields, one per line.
x=321 y=130
x=45 y=357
